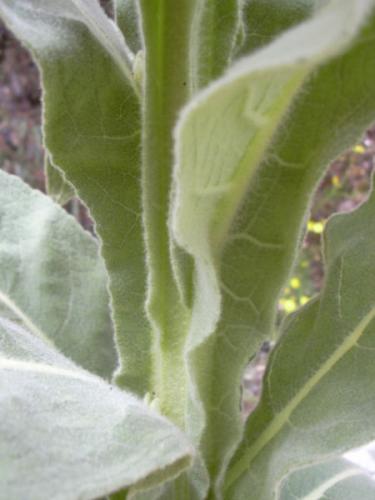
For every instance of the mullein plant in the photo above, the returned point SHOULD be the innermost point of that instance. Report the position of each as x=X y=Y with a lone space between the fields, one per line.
x=195 y=132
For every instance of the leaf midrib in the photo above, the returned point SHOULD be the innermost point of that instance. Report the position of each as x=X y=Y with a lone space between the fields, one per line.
x=318 y=492
x=26 y=321
x=42 y=368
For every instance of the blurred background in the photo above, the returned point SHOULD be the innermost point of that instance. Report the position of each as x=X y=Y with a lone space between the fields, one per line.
x=344 y=186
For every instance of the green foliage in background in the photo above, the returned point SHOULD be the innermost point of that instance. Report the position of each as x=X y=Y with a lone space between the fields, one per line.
x=195 y=132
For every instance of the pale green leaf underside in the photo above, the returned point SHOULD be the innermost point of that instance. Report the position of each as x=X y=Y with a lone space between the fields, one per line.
x=92 y=131
x=317 y=396
x=222 y=137
x=235 y=118
x=223 y=133
x=87 y=437
x=333 y=480
x=87 y=12
x=52 y=277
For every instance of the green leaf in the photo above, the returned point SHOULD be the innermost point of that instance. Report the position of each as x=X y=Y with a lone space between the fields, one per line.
x=68 y=434
x=127 y=19
x=244 y=249
x=234 y=120
x=214 y=34
x=316 y=399
x=333 y=480
x=87 y=12
x=92 y=131
x=264 y=20
x=58 y=188
x=52 y=277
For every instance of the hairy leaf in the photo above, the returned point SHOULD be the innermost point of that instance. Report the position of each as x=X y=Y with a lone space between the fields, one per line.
x=92 y=132
x=68 y=434
x=215 y=30
x=52 y=277
x=222 y=137
x=127 y=19
x=87 y=12
x=317 y=395
x=263 y=20
x=333 y=480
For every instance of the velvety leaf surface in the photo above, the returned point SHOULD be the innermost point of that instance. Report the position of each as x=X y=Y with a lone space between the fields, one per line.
x=223 y=153
x=67 y=434
x=92 y=132
x=278 y=197
x=318 y=393
x=87 y=12
x=127 y=19
x=263 y=20
x=52 y=277
x=215 y=30
x=333 y=480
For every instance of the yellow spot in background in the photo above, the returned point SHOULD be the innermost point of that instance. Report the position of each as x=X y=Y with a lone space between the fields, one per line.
x=315 y=227
x=303 y=300
x=359 y=149
x=336 y=181
x=289 y=305
x=295 y=283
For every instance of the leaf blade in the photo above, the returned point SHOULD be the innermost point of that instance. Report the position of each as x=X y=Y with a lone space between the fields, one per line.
x=329 y=347
x=92 y=131
x=89 y=13
x=333 y=480
x=127 y=18
x=233 y=257
x=87 y=438
x=52 y=277
x=214 y=33
x=263 y=20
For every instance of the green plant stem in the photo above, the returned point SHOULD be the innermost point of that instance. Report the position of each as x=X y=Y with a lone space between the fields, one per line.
x=166 y=30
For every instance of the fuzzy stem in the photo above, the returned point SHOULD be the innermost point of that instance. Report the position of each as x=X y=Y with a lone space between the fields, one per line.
x=166 y=31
